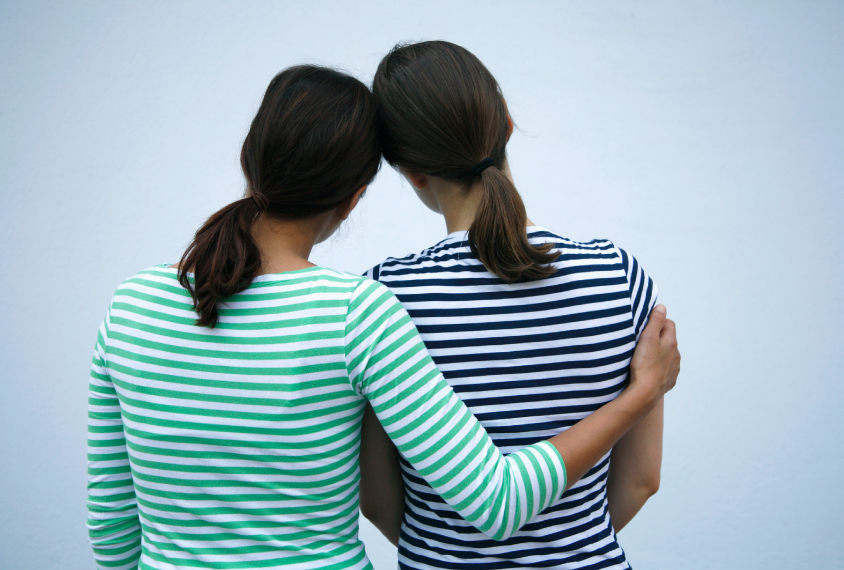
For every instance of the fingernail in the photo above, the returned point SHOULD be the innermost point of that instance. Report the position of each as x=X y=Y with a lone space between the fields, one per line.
x=661 y=309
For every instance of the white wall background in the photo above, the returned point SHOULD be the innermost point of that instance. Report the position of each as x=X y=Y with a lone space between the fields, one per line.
x=706 y=137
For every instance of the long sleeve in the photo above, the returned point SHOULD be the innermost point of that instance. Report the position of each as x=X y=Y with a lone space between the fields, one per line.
x=432 y=428
x=114 y=529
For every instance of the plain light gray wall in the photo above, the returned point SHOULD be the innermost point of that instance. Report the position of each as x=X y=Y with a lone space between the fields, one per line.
x=704 y=137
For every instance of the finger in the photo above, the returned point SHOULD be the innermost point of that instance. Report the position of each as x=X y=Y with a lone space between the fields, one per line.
x=656 y=321
x=668 y=333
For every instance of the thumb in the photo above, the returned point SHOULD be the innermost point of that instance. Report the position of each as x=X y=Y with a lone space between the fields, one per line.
x=656 y=321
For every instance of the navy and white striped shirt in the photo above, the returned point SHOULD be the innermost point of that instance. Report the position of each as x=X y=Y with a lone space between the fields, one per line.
x=529 y=359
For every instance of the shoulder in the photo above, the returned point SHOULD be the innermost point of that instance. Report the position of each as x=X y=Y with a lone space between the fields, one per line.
x=539 y=235
x=158 y=281
x=588 y=259
x=364 y=293
x=156 y=288
x=583 y=256
x=602 y=255
x=162 y=273
x=631 y=266
x=395 y=267
x=341 y=279
x=370 y=292
x=356 y=284
x=371 y=304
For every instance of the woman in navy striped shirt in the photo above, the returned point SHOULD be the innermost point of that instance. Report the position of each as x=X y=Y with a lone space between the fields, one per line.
x=532 y=330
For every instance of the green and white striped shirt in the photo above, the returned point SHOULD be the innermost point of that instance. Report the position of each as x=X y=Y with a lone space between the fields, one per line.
x=237 y=446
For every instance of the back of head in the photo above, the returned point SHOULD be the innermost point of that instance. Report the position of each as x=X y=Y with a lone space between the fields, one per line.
x=312 y=144
x=442 y=113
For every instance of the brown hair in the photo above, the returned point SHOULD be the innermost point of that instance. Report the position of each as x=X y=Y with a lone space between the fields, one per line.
x=441 y=113
x=312 y=144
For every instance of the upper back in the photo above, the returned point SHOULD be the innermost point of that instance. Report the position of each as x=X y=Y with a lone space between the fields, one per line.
x=543 y=338
x=529 y=359
x=250 y=428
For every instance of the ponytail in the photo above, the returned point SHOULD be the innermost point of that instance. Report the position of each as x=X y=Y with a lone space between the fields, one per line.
x=498 y=236
x=313 y=143
x=223 y=257
x=441 y=111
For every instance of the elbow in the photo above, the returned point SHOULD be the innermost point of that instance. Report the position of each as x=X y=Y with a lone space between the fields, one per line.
x=369 y=510
x=646 y=480
x=497 y=536
x=499 y=533
x=649 y=486
x=653 y=488
x=375 y=512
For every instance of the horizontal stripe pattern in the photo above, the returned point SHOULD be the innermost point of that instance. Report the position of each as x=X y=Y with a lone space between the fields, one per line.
x=237 y=446
x=529 y=359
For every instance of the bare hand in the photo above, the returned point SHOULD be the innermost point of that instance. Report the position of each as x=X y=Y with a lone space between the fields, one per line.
x=656 y=360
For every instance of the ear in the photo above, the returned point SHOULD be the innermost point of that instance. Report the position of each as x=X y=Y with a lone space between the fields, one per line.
x=509 y=120
x=347 y=208
x=419 y=181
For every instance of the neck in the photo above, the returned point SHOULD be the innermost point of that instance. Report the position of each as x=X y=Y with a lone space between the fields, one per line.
x=459 y=205
x=286 y=245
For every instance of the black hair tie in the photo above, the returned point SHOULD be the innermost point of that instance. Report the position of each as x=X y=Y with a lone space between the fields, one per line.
x=482 y=165
x=261 y=201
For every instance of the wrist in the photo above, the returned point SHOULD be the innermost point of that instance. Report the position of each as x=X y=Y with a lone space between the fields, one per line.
x=639 y=398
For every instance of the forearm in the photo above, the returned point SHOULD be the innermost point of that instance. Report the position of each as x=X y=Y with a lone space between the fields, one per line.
x=586 y=442
x=635 y=468
x=114 y=529
x=625 y=502
x=115 y=539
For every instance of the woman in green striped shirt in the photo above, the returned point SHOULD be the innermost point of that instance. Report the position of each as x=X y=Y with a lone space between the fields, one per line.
x=226 y=393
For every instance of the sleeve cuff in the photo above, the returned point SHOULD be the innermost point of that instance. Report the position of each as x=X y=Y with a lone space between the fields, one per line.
x=557 y=468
